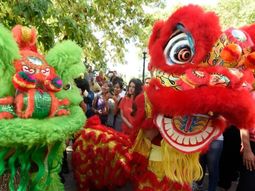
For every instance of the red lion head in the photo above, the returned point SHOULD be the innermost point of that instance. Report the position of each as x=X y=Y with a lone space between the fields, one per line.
x=203 y=78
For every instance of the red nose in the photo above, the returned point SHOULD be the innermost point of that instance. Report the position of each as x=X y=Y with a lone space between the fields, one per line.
x=40 y=77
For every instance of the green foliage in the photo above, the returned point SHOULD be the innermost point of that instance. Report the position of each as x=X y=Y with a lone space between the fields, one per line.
x=236 y=13
x=95 y=25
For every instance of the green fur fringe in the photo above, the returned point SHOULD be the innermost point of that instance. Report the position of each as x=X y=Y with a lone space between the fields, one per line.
x=46 y=131
x=9 y=52
x=66 y=58
x=45 y=161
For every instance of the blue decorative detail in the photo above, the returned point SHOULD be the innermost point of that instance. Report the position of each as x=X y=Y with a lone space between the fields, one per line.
x=239 y=35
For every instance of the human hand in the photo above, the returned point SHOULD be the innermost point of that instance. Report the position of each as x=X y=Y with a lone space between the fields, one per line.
x=248 y=159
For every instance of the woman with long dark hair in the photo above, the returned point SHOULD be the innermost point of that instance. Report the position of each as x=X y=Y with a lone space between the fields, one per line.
x=127 y=104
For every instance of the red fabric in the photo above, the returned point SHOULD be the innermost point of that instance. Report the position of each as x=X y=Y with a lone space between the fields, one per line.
x=203 y=100
x=100 y=80
x=126 y=109
x=250 y=29
x=252 y=134
x=25 y=44
x=100 y=159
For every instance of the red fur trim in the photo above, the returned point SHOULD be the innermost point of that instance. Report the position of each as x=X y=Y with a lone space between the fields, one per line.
x=62 y=112
x=6 y=101
x=93 y=121
x=64 y=102
x=237 y=106
x=97 y=161
x=50 y=87
x=205 y=31
x=19 y=104
x=250 y=29
x=30 y=104
x=156 y=32
x=6 y=115
x=152 y=183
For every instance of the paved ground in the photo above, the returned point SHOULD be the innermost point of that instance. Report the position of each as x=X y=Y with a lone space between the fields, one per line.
x=70 y=183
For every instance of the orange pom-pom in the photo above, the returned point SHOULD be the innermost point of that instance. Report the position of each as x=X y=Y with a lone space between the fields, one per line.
x=231 y=53
x=250 y=61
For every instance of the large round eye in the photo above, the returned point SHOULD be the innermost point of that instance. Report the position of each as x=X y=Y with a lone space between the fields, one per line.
x=67 y=86
x=179 y=49
x=28 y=70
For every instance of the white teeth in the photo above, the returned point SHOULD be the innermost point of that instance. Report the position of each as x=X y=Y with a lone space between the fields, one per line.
x=175 y=136
x=199 y=138
x=170 y=131
x=168 y=126
x=159 y=120
x=204 y=135
x=189 y=142
x=193 y=140
x=186 y=141
x=167 y=120
x=209 y=129
x=180 y=139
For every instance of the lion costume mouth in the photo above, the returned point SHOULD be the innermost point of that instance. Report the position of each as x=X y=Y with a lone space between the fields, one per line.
x=187 y=134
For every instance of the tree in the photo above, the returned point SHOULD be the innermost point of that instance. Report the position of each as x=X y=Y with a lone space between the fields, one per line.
x=101 y=27
x=236 y=13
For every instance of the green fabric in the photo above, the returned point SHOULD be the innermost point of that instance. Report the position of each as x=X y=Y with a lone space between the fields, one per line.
x=11 y=166
x=48 y=160
x=24 y=161
x=66 y=58
x=37 y=157
x=42 y=104
x=3 y=153
x=31 y=132
x=9 y=51
x=7 y=108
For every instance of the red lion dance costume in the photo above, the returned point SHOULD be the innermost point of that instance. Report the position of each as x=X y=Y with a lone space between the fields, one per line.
x=203 y=79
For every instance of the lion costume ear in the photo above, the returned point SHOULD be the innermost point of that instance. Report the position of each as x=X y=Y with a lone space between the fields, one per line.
x=250 y=29
x=156 y=32
x=25 y=37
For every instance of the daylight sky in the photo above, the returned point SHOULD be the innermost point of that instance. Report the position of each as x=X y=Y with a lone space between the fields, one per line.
x=134 y=64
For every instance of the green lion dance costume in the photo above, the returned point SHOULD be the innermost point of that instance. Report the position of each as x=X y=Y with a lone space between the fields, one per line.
x=37 y=115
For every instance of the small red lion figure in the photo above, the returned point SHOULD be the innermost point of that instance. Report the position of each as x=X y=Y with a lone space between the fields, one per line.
x=35 y=81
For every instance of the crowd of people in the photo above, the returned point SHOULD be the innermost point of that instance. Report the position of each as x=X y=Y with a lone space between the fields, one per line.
x=110 y=98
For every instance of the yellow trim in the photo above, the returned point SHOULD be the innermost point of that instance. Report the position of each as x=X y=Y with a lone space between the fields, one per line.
x=180 y=167
x=148 y=106
x=187 y=81
x=21 y=84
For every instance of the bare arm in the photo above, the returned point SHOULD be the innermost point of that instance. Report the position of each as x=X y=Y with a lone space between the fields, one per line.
x=83 y=106
x=248 y=155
